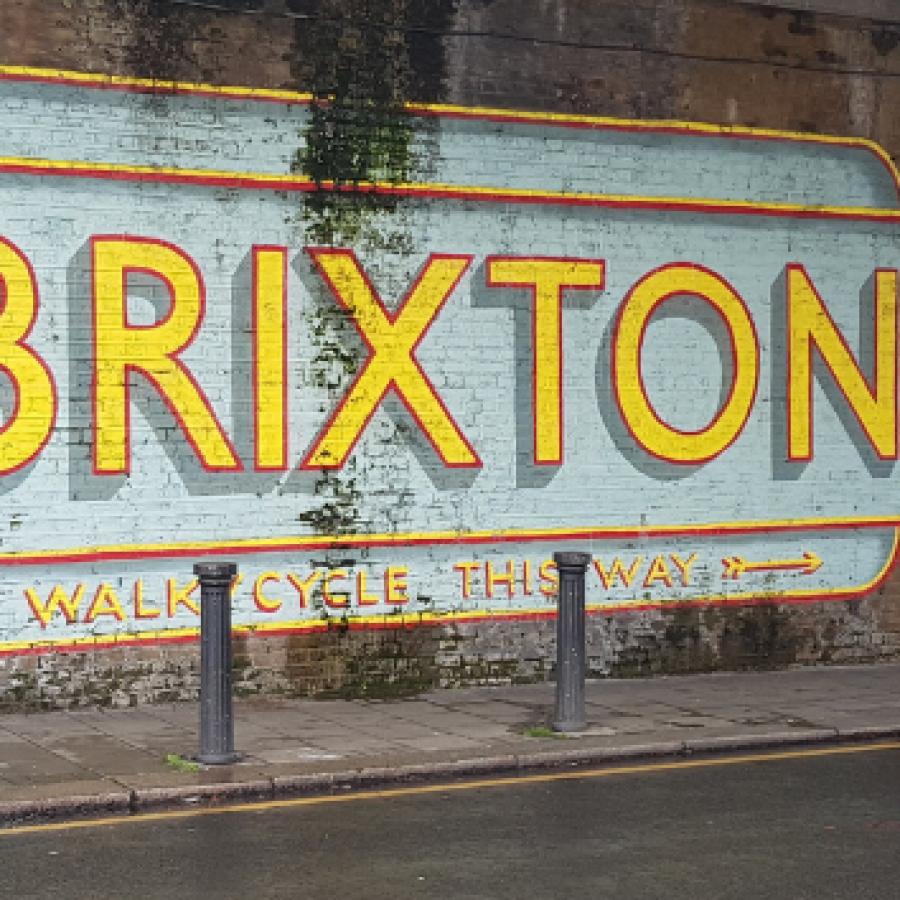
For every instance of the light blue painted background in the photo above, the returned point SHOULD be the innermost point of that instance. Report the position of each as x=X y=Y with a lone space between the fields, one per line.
x=471 y=352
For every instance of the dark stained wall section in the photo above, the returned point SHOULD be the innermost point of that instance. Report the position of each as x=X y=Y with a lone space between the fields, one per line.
x=766 y=64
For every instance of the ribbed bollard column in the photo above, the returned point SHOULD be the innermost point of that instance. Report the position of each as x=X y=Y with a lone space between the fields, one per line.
x=570 y=649
x=216 y=719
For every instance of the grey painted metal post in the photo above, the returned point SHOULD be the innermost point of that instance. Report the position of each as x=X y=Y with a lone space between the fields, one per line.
x=570 y=649
x=216 y=719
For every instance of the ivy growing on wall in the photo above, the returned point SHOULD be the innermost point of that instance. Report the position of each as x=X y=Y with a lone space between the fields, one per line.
x=362 y=60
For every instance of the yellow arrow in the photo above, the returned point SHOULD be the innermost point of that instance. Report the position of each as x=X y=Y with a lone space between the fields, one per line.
x=735 y=566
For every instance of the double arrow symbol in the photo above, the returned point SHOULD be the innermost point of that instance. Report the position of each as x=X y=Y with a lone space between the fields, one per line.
x=735 y=566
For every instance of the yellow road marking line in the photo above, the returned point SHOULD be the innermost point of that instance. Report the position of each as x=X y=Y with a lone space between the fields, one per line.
x=506 y=781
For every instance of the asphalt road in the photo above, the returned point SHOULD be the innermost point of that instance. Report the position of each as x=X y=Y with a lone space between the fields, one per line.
x=818 y=825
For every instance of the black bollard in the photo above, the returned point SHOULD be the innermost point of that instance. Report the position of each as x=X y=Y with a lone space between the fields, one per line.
x=570 y=649
x=216 y=719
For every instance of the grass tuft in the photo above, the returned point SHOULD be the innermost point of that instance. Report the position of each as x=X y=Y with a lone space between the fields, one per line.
x=180 y=764
x=541 y=731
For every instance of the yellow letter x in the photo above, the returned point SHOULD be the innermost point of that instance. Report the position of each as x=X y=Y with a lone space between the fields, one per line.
x=392 y=340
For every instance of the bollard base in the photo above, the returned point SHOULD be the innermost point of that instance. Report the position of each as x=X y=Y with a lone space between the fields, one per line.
x=569 y=726
x=217 y=759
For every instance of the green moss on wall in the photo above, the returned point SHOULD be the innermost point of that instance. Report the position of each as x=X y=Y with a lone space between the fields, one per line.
x=362 y=60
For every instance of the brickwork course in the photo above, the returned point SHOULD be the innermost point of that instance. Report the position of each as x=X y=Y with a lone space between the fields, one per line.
x=815 y=67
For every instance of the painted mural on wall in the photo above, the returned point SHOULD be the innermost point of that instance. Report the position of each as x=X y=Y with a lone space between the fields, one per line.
x=673 y=346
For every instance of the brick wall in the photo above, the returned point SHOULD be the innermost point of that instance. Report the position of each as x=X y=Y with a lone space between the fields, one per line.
x=729 y=63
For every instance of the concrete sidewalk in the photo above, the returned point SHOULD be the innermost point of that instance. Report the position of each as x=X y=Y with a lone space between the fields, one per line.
x=69 y=763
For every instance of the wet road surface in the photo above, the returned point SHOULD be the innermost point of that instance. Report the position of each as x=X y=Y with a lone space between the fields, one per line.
x=819 y=824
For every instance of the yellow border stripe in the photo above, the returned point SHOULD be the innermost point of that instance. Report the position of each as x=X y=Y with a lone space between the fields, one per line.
x=126 y=82
x=268 y=180
x=453 y=787
x=509 y=535
x=150 y=85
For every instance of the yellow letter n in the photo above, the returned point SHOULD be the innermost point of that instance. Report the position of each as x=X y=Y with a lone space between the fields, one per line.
x=809 y=325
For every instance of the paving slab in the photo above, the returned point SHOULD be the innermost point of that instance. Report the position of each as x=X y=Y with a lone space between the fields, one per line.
x=38 y=726
x=66 y=763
